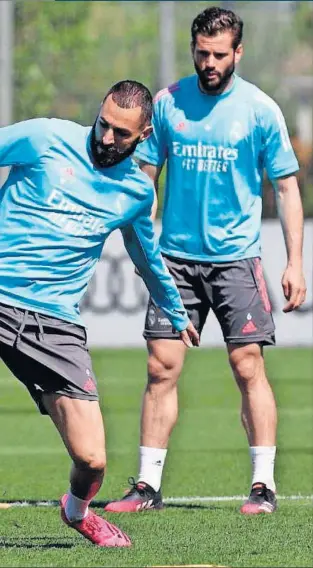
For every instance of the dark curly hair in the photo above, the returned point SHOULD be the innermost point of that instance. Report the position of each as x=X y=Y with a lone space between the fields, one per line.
x=213 y=21
x=131 y=94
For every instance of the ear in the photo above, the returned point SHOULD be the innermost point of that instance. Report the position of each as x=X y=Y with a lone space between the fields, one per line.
x=238 y=53
x=146 y=133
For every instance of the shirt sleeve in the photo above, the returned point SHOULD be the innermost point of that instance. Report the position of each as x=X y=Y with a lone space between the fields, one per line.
x=279 y=157
x=24 y=142
x=154 y=149
x=142 y=246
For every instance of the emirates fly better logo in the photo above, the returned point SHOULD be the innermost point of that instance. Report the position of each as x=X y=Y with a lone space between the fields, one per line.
x=204 y=157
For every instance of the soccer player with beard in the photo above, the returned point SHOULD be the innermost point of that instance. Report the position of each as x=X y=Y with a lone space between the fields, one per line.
x=69 y=187
x=217 y=133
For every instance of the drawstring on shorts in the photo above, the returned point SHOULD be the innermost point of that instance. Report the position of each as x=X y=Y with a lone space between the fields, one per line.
x=41 y=331
x=24 y=322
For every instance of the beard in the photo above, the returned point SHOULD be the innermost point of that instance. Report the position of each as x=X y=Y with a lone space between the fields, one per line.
x=108 y=155
x=219 y=82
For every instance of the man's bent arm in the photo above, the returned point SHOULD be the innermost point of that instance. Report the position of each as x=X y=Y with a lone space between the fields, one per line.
x=141 y=245
x=153 y=172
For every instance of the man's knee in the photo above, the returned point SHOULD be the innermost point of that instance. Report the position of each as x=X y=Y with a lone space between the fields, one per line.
x=165 y=364
x=160 y=371
x=246 y=362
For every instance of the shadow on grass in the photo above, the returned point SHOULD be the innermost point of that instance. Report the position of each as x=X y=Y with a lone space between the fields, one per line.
x=189 y=506
x=34 y=542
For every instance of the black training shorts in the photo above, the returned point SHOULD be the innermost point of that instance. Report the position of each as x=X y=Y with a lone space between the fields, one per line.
x=48 y=355
x=235 y=291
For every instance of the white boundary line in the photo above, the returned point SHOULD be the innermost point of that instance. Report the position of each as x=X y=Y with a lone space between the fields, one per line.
x=231 y=498
x=168 y=500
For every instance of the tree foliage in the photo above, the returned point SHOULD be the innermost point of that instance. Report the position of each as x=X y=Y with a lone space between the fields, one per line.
x=51 y=51
x=68 y=54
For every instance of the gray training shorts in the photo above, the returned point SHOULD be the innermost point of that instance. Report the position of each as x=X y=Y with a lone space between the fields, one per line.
x=235 y=291
x=48 y=355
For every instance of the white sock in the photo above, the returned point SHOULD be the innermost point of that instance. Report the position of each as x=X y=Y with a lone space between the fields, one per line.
x=263 y=461
x=75 y=509
x=151 y=466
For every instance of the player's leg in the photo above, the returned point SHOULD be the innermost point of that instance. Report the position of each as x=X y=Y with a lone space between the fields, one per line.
x=159 y=407
x=166 y=354
x=166 y=357
x=243 y=309
x=54 y=364
x=80 y=425
x=158 y=418
x=259 y=418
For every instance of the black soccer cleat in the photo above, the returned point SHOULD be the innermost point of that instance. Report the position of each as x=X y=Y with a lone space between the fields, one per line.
x=140 y=498
x=260 y=500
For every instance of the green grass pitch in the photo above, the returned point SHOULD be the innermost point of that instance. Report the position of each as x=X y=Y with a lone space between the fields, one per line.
x=208 y=457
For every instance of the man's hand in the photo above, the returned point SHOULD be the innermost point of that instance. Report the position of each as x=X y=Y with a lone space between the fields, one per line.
x=294 y=287
x=190 y=336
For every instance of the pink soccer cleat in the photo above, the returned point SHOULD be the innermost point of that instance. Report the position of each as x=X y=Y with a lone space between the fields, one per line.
x=260 y=500
x=141 y=497
x=96 y=529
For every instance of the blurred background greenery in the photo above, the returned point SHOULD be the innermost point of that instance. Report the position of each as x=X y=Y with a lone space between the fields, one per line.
x=66 y=55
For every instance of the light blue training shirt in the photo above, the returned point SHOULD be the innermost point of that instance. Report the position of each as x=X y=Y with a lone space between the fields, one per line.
x=56 y=211
x=216 y=148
